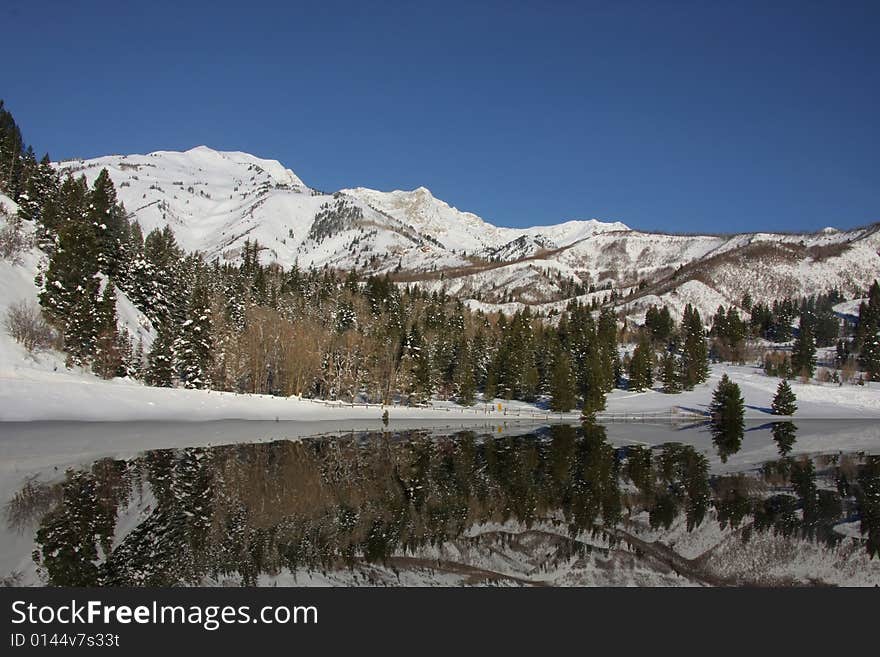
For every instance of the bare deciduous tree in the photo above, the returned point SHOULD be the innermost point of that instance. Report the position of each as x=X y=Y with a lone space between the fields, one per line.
x=25 y=323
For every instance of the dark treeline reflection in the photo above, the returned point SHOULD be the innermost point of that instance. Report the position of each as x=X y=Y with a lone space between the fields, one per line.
x=243 y=510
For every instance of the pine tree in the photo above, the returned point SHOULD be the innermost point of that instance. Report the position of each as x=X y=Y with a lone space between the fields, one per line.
x=40 y=193
x=868 y=334
x=593 y=385
x=695 y=355
x=73 y=263
x=107 y=356
x=562 y=391
x=784 y=401
x=110 y=224
x=158 y=279
x=669 y=374
x=606 y=337
x=419 y=361
x=194 y=346
x=464 y=376
x=803 y=351
x=727 y=412
x=641 y=367
x=138 y=366
x=160 y=360
x=12 y=154
x=869 y=314
x=869 y=357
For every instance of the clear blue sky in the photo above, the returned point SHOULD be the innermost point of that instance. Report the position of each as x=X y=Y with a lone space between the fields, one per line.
x=684 y=116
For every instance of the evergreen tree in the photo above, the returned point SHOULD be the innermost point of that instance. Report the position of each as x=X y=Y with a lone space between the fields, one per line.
x=193 y=348
x=562 y=391
x=40 y=193
x=869 y=357
x=12 y=153
x=694 y=360
x=465 y=382
x=419 y=360
x=868 y=334
x=606 y=338
x=72 y=271
x=727 y=412
x=108 y=356
x=641 y=367
x=110 y=224
x=670 y=373
x=803 y=351
x=784 y=401
x=160 y=360
x=593 y=385
x=157 y=281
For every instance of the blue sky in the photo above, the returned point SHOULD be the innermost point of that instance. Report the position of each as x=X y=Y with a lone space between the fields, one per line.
x=680 y=116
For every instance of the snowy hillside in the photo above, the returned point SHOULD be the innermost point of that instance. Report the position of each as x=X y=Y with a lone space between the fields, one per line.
x=18 y=367
x=214 y=201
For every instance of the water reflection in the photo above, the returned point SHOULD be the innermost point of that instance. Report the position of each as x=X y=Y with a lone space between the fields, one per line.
x=329 y=503
x=784 y=433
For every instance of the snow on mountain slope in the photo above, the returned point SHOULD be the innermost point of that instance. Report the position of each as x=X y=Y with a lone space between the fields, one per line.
x=215 y=201
x=455 y=229
x=571 y=232
x=465 y=231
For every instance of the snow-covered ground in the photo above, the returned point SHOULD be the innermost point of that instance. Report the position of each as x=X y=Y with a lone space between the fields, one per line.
x=814 y=400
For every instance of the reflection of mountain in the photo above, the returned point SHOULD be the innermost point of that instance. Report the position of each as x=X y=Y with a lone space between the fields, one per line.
x=562 y=507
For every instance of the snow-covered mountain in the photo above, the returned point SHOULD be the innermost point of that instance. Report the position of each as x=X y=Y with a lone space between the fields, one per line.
x=214 y=201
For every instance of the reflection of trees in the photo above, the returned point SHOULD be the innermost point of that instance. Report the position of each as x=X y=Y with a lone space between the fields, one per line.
x=867 y=492
x=727 y=439
x=784 y=433
x=243 y=510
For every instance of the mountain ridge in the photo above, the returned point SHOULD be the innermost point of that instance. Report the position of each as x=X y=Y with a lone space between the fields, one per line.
x=216 y=200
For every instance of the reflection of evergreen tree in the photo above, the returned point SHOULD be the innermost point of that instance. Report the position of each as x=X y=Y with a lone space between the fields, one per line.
x=784 y=433
x=732 y=502
x=868 y=497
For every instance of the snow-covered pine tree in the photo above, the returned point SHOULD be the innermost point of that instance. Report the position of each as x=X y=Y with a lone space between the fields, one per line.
x=111 y=225
x=160 y=360
x=193 y=347
x=71 y=284
x=107 y=357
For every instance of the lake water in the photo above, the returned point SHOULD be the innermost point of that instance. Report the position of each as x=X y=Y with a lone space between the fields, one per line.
x=260 y=503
